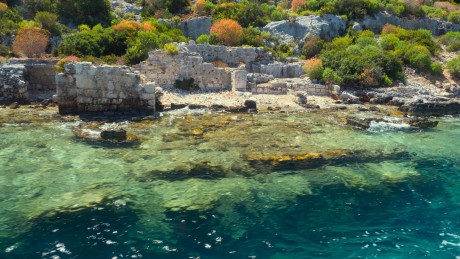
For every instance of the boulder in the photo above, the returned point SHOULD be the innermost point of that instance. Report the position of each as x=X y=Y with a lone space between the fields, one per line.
x=195 y=27
x=326 y=26
x=437 y=27
x=423 y=123
x=250 y=104
x=301 y=97
x=349 y=98
x=114 y=134
x=14 y=105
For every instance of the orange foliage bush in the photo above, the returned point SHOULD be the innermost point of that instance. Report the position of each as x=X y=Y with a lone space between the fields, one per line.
x=297 y=3
x=228 y=31
x=314 y=68
x=198 y=8
x=446 y=5
x=389 y=29
x=146 y=26
x=71 y=59
x=127 y=25
x=3 y=7
x=31 y=42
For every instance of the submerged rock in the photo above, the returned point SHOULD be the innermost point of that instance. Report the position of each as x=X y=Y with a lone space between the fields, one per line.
x=116 y=134
x=423 y=123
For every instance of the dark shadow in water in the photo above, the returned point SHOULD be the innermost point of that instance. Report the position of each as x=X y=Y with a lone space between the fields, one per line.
x=395 y=220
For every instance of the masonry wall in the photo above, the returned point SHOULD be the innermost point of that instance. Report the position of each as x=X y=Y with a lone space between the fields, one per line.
x=26 y=80
x=87 y=88
x=165 y=69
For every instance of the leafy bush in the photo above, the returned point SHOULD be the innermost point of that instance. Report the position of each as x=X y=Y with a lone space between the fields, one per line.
x=389 y=42
x=454 y=66
x=171 y=49
x=297 y=4
x=436 y=69
x=454 y=17
x=198 y=7
x=330 y=77
x=252 y=37
x=314 y=68
x=229 y=32
x=84 y=11
x=186 y=84
x=203 y=39
x=3 y=7
x=312 y=46
x=31 y=42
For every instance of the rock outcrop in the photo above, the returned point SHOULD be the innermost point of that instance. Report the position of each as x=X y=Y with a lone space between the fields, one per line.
x=195 y=27
x=326 y=26
x=437 y=27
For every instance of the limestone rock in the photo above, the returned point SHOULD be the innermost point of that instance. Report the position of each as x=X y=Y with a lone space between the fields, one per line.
x=14 y=105
x=327 y=26
x=195 y=27
x=423 y=123
x=118 y=135
x=437 y=27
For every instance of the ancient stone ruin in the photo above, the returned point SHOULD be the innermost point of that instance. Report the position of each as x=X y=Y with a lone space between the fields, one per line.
x=87 y=88
x=84 y=87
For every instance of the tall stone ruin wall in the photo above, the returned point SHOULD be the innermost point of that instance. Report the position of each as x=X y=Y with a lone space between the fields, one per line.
x=26 y=80
x=87 y=88
x=164 y=69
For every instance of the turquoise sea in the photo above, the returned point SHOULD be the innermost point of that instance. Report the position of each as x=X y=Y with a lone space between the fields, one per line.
x=201 y=185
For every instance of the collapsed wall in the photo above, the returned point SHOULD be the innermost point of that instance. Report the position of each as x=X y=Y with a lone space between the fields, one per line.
x=27 y=80
x=86 y=88
x=165 y=69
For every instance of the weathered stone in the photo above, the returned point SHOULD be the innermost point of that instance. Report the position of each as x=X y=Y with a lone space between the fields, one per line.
x=195 y=27
x=14 y=105
x=423 y=123
x=436 y=26
x=119 y=135
x=326 y=26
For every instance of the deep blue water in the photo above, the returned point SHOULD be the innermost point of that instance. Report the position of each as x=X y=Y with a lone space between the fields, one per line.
x=418 y=217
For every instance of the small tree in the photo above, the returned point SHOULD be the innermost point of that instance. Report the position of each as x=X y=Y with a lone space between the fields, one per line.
x=198 y=8
x=31 y=42
x=297 y=4
x=229 y=32
x=314 y=68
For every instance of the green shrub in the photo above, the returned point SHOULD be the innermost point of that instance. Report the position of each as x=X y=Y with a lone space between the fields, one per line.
x=252 y=37
x=454 y=17
x=314 y=68
x=435 y=12
x=436 y=69
x=454 y=66
x=312 y=46
x=454 y=46
x=84 y=11
x=203 y=39
x=330 y=77
x=389 y=42
x=186 y=84
x=171 y=49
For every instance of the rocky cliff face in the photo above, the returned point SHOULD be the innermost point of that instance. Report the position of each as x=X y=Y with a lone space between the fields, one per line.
x=327 y=27
x=195 y=27
x=437 y=27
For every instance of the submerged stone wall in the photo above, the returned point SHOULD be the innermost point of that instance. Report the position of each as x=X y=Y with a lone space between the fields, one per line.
x=26 y=80
x=87 y=88
x=285 y=86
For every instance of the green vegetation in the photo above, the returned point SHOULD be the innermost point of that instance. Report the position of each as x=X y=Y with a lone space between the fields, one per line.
x=454 y=66
x=90 y=30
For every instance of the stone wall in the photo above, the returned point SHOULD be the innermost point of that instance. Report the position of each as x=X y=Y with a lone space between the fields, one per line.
x=278 y=69
x=87 y=88
x=233 y=56
x=27 y=80
x=285 y=86
x=165 y=69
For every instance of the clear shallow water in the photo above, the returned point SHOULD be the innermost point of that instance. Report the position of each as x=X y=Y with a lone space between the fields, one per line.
x=234 y=191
